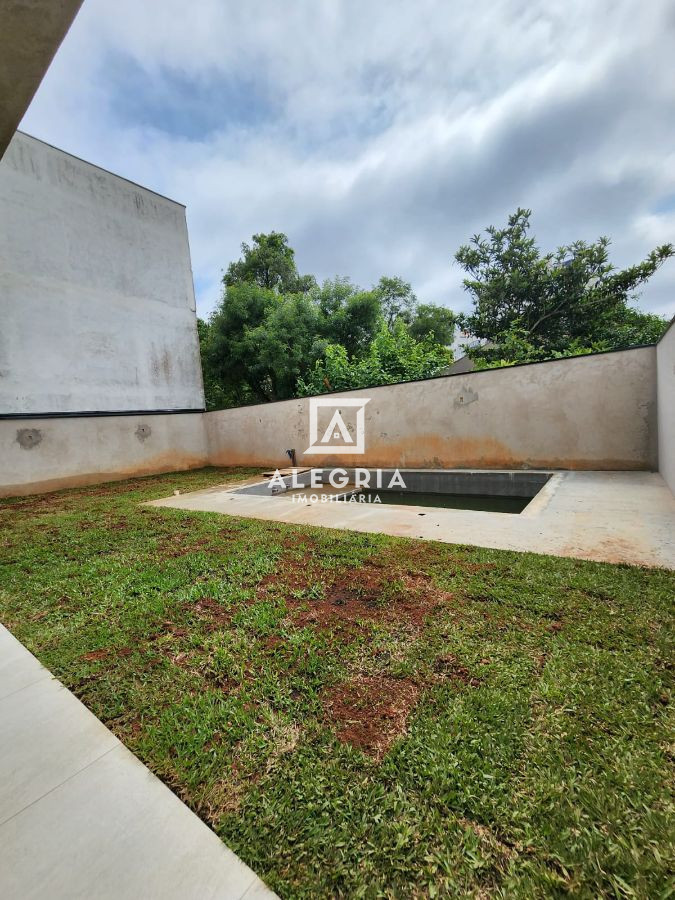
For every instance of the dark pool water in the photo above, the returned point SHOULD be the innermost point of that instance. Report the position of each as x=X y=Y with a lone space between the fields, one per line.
x=445 y=501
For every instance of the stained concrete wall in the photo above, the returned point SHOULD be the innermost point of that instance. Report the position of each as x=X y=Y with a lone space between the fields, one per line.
x=47 y=454
x=665 y=364
x=592 y=412
x=97 y=307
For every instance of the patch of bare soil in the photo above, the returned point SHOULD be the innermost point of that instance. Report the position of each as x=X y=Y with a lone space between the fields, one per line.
x=294 y=577
x=298 y=542
x=370 y=712
x=366 y=595
x=119 y=525
x=116 y=652
x=475 y=568
x=93 y=655
x=211 y=611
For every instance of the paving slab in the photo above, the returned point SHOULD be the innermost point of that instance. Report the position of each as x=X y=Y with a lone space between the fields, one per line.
x=18 y=668
x=82 y=817
x=47 y=736
x=617 y=517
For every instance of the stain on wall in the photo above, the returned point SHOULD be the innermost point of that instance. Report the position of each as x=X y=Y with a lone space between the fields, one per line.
x=595 y=412
x=27 y=438
x=67 y=452
x=465 y=396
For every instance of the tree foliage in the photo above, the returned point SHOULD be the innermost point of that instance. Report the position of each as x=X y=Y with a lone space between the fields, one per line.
x=274 y=329
x=530 y=305
x=259 y=343
x=437 y=322
x=397 y=300
x=347 y=315
x=269 y=263
x=394 y=355
x=277 y=334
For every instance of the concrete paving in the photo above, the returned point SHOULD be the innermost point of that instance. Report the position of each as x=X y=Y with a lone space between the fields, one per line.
x=626 y=517
x=81 y=817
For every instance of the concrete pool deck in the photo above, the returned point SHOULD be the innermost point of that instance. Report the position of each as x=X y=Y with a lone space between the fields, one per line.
x=617 y=517
x=82 y=817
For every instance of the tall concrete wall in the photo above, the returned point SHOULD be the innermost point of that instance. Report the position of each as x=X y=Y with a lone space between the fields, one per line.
x=97 y=307
x=47 y=454
x=592 y=412
x=665 y=365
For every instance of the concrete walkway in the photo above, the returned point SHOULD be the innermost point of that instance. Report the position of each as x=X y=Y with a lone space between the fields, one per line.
x=617 y=517
x=81 y=817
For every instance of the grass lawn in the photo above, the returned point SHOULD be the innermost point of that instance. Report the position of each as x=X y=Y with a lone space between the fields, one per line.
x=363 y=715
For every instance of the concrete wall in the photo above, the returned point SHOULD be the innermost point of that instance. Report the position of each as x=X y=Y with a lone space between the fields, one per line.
x=592 y=412
x=97 y=307
x=47 y=454
x=30 y=33
x=665 y=364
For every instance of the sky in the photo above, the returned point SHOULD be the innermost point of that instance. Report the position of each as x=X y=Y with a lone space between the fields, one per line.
x=379 y=135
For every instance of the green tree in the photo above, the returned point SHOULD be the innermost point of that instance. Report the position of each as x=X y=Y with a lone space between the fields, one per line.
x=435 y=321
x=533 y=305
x=273 y=325
x=260 y=342
x=286 y=344
x=270 y=263
x=397 y=299
x=229 y=355
x=215 y=395
x=394 y=355
x=347 y=315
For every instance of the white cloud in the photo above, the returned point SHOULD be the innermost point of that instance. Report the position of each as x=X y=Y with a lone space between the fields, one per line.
x=387 y=133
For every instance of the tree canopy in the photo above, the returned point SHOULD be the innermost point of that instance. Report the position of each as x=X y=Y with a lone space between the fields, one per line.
x=530 y=305
x=269 y=263
x=276 y=332
x=394 y=355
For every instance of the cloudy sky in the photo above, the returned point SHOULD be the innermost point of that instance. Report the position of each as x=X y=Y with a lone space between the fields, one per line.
x=379 y=134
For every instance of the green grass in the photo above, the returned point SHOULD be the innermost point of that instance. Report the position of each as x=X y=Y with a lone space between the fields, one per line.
x=535 y=763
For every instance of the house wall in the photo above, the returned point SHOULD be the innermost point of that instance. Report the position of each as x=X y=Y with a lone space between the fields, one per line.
x=591 y=412
x=665 y=362
x=47 y=454
x=97 y=307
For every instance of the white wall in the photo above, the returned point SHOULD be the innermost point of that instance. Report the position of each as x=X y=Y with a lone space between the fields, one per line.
x=97 y=307
x=665 y=364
